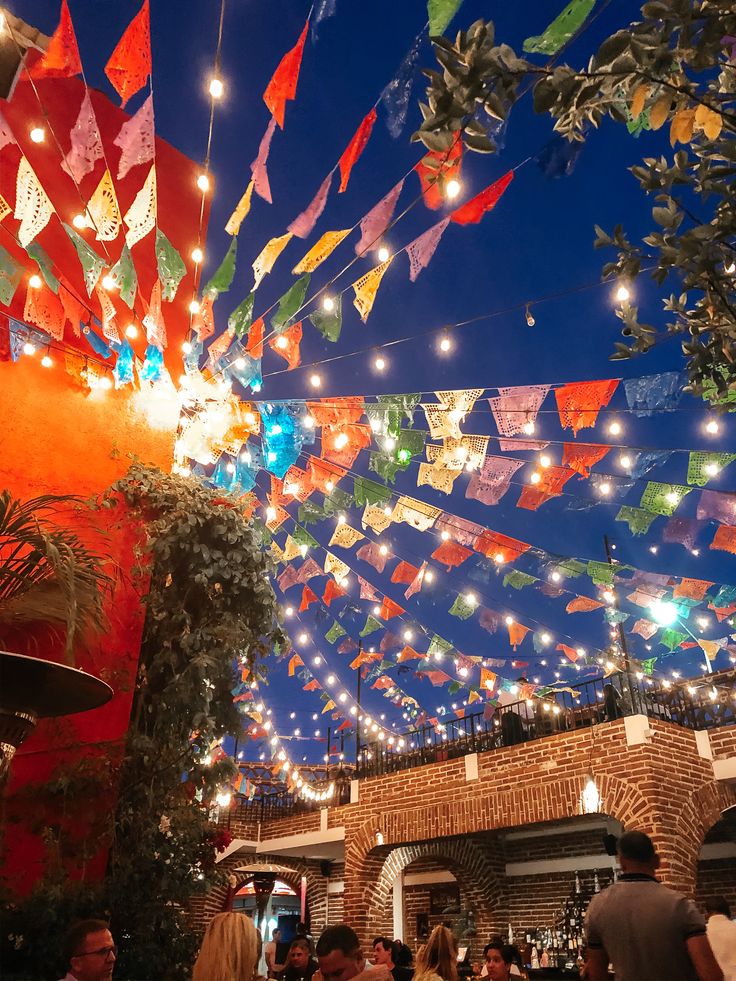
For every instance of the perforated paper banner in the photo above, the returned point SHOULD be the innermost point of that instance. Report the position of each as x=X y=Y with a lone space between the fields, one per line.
x=562 y=28
x=303 y=225
x=661 y=498
x=136 y=139
x=282 y=87
x=579 y=403
x=241 y=211
x=141 y=216
x=32 y=205
x=366 y=288
x=130 y=63
x=61 y=57
x=268 y=255
x=355 y=148
x=324 y=247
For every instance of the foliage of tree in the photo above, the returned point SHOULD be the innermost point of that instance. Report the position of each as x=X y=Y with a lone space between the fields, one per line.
x=211 y=614
x=675 y=67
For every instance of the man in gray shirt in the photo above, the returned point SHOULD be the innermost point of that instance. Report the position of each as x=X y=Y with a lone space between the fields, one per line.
x=647 y=931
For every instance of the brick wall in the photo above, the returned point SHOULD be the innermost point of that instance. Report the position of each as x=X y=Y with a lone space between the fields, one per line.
x=717 y=878
x=663 y=787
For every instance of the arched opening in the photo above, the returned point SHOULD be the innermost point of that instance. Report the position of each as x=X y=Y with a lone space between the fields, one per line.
x=716 y=868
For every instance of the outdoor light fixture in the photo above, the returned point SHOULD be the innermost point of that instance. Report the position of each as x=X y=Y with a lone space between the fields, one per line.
x=590 y=799
x=34 y=689
x=664 y=613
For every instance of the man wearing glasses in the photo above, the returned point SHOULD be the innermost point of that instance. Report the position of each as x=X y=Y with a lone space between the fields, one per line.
x=90 y=951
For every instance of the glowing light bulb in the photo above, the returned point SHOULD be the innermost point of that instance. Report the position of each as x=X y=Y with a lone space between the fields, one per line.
x=535 y=478
x=445 y=344
x=625 y=461
x=383 y=254
x=608 y=596
x=328 y=304
x=203 y=183
x=383 y=549
x=108 y=283
x=545 y=460
x=545 y=638
x=330 y=679
x=216 y=88
x=528 y=428
x=671 y=497
x=498 y=557
x=29 y=349
x=289 y=611
x=604 y=489
x=197 y=255
x=341 y=519
x=452 y=189
x=303 y=638
x=387 y=511
x=730 y=268
x=664 y=613
x=379 y=364
x=555 y=577
x=308 y=422
x=47 y=361
x=509 y=621
x=389 y=443
x=270 y=513
x=105 y=382
x=131 y=331
x=615 y=428
x=38 y=134
x=623 y=294
x=79 y=221
x=712 y=469
x=186 y=347
x=315 y=381
x=35 y=281
x=194 y=306
x=445 y=536
x=712 y=427
x=282 y=342
x=377 y=611
x=330 y=485
x=471 y=599
x=408 y=635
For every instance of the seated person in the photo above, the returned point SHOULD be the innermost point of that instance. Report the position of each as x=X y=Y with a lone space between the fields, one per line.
x=389 y=953
x=300 y=965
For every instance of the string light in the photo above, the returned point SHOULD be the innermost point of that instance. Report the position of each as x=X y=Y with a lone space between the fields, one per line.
x=216 y=88
x=108 y=283
x=194 y=306
x=29 y=349
x=379 y=364
x=328 y=304
x=383 y=254
x=615 y=428
x=35 y=281
x=622 y=293
x=47 y=361
x=528 y=428
x=625 y=461
x=445 y=344
x=203 y=183
x=712 y=469
x=79 y=221
x=282 y=342
x=604 y=489
x=38 y=134
x=105 y=382
x=315 y=381
x=452 y=189
x=712 y=427
x=197 y=255
x=545 y=460
x=131 y=331
x=186 y=347
x=535 y=477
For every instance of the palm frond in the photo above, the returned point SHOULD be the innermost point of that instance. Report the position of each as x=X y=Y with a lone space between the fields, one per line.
x=47 y=573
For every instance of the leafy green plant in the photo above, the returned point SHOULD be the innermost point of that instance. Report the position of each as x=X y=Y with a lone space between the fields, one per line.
x=48 y=575
x=675 y=66
x=211 y=615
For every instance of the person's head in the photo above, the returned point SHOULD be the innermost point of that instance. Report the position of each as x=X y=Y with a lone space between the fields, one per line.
x=383 y=952
x=299 y=954
x=498 y=958
x=90 y=950
x=338 y=953
x=438 y=956
x=717 y=906
x=229 y=950
x=276 y=935
x=636 y=853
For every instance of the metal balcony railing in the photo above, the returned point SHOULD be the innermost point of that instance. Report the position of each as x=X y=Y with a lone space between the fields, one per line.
x=702 y=703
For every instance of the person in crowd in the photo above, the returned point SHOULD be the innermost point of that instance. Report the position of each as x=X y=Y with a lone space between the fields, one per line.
x=340 y=957
x=269 y=952
x=300 y=965
x=509 y=954
x=721 y=932
x=90 y=951
x=644 y=929
x=403 y=957
x=497 y=960
x=302 y=933
x=229 y=950
x=437 y=960
x=389 y=952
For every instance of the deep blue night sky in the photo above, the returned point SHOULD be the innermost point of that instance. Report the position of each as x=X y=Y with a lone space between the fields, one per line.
x=538 y=241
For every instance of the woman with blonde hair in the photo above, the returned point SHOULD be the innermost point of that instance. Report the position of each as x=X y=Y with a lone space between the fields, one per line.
x=229 y=950
x=437 y=960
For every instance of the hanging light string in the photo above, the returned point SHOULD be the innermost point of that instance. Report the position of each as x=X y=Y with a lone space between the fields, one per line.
x=89 y=218
x=432 y=181
x=203 y=182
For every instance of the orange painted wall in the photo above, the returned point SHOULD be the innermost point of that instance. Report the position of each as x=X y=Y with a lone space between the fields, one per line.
x=55 y=438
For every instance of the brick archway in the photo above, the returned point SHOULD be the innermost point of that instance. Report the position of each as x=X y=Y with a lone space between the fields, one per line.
x=482 y=889
x=621 y=799
x=693 y=822
x=288 y=871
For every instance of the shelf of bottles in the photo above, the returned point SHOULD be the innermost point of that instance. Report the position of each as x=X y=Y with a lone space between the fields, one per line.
x=562 y=945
